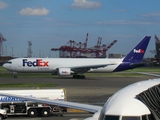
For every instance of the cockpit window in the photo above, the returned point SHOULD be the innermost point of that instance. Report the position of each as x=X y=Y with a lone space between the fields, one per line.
x=147 y=117
x=9 y=62
x=111 y=117
x=130 y=118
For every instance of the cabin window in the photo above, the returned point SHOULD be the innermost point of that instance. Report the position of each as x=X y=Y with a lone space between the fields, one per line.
x=144 y=117
x=147 y=117
x=130 y=117
x=111 y=117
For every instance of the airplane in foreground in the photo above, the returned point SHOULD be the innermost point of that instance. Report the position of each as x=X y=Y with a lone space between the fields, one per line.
x=78 y=66
x=138 y=101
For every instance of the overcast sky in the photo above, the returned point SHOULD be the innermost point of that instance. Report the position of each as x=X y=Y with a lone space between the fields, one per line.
x=52 y=23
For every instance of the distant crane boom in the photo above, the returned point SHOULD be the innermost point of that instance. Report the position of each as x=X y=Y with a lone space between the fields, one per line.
x=73 y=49
x=2 y=39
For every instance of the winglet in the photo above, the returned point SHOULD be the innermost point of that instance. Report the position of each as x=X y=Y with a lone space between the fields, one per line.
x=138 y=52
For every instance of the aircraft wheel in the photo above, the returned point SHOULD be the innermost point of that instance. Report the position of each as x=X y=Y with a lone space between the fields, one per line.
x=74 y=76
x=32 y=112
x=78 y=76
x=83 y=77
x=15 y=76
x=45 y=112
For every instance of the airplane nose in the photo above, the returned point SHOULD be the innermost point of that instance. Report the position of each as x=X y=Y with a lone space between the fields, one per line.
x=4 y=65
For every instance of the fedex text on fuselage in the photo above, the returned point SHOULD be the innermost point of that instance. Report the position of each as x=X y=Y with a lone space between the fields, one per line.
x=36 y=63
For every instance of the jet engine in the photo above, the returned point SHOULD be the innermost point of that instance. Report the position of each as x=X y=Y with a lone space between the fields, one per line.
x=64 y=71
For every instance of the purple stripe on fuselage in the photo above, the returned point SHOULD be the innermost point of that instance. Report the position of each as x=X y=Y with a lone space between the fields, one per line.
x=129 y=65
x=123 y=66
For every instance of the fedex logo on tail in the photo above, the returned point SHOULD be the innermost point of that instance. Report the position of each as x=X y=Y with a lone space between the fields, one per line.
x=138 y=51
x=37 y=63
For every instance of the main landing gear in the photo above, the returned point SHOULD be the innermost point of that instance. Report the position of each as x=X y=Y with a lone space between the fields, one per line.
x=79 y=76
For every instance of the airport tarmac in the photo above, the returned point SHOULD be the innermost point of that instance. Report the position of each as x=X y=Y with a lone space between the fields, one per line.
x=93 y=90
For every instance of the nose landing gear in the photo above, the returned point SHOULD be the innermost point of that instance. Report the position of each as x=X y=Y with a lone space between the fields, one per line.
x=15 y=74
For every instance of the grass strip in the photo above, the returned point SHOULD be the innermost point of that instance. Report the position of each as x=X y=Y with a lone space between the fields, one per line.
x=35 y=85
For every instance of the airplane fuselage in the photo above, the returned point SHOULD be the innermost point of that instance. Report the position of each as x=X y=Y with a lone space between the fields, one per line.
x=46 y=65
x=75 y=66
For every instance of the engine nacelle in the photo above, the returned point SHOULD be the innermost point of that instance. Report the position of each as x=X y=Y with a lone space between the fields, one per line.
x=64 y=71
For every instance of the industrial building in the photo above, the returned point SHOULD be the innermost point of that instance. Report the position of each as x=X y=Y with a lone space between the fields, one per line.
x=156 y=52
x=157 y=45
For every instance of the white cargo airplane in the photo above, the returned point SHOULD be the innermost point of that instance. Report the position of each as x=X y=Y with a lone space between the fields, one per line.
x=78 y=66
x=138 y=101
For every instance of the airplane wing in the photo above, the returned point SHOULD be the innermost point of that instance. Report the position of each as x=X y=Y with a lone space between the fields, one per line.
x=149 y=74
x=88 y=67
x=85 y=107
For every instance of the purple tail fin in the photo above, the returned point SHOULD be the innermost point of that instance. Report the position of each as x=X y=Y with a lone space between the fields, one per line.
x=138 y=52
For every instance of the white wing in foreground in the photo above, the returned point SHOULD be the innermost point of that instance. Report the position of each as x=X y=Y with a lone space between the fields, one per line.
x=86 y=107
